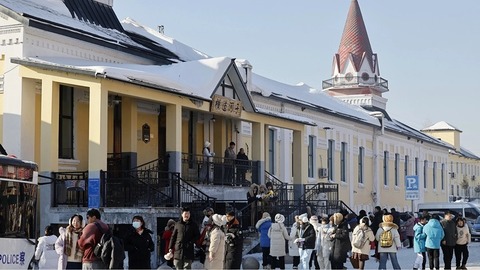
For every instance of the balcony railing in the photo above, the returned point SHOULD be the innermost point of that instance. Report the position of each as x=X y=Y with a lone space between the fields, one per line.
x=219 y=171
x=356 y=80
x=70 y=188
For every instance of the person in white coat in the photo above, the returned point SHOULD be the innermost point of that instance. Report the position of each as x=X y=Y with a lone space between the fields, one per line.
x=205 y=173
x=216 y=250
x=278 y=234
x=323 y=254
x=45 y=253
x=360 y=255
x=66 y=245
x=386 y=252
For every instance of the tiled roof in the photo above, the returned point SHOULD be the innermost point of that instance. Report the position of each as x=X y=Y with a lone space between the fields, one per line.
x=355 y=40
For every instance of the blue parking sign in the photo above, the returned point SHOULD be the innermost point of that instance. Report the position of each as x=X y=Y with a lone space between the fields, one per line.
x=411 y=187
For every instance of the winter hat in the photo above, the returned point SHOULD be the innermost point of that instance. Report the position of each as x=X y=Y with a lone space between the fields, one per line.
x=305 y=219
x=265 y=215
x=313 y=219
x=219 y=220
x=279 y=218
x=207 y=144
x=387 y=218
x=304 y=215
x=365 y=221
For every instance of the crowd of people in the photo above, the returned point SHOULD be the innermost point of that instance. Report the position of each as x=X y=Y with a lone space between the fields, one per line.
x=318 y=242
x=75 y=245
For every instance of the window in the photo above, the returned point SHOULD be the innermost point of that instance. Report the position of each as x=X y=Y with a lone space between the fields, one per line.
x=416 y=166
x=425 y=173
x=442 y=177
x=385 y=168
x=311 y=153
x=397 y=164
x=271 y=151
x=405 y=166
x=330 y=159
x=434 y=175
x=343 y=162
x=361 y=157
x=65 y=130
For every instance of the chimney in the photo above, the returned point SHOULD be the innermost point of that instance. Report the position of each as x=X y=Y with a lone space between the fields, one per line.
x=161 y=29
x=106 y=2
x=247 y=70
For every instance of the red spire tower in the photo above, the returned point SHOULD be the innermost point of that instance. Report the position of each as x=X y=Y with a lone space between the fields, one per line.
x=355 y=74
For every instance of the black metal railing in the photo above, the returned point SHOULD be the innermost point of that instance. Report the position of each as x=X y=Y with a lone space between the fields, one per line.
x=128 y=188
x=219 y=171
x=70 y=188
x=284 y=191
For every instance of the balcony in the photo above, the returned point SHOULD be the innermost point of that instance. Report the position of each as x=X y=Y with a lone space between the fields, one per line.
x=355 y=81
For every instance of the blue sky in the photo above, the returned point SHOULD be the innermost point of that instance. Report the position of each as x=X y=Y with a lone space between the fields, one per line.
x=428 y=50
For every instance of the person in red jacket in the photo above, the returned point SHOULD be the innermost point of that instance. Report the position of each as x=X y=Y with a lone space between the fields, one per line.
x=167 y=234
x=90 y=237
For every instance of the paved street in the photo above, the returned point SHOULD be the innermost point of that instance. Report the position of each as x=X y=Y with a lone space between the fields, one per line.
x=406 y=257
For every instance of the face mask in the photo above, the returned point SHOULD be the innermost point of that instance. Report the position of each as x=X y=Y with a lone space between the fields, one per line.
x=136 y=224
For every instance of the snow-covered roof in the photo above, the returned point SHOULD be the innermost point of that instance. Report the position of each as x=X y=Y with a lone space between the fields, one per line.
x=304 y=94
x=442 y=125
x=56 y=11
x=185 y=52
x=194 y=78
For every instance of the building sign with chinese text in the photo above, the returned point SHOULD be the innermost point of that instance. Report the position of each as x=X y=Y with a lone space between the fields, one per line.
x=226 y=106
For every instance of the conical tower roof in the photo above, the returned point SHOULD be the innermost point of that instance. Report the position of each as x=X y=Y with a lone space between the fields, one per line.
x=355 y=40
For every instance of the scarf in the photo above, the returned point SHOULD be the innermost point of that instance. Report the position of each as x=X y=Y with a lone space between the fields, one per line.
x=69 y=242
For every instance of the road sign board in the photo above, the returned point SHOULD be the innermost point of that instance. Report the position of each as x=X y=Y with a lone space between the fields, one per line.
x=412 y=187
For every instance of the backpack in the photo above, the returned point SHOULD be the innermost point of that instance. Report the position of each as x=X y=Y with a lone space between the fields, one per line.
x=359 y=238
x=110 y=249
x=386 y=239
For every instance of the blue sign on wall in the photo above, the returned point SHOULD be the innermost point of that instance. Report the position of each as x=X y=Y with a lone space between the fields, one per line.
x=94 y=193
x=411 y=187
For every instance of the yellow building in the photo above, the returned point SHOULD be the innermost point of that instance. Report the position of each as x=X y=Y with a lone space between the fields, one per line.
x=119 y=118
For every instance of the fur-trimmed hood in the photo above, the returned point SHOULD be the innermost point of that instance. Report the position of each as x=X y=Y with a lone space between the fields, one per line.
x=261 y=221
x=252 y=187
x=387 y=225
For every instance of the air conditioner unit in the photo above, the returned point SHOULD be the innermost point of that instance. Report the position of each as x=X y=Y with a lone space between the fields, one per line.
x=473 y=177
x=322 y=173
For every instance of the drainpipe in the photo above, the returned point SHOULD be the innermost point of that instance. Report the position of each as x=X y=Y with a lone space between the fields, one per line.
x=376 y=183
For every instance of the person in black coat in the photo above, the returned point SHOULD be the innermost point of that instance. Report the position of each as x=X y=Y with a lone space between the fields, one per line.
x=340 y=241
x=139 y=245
x=185 y=234
x=233 y=242
x=306 y=242
x=242 y=166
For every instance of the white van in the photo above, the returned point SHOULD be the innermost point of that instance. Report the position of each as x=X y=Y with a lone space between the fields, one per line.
x=468 y=210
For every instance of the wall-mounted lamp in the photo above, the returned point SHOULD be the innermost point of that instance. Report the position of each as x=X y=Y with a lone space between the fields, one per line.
x=303 y=109
x=408 y=138
x=213 y=119
x=117 y=100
